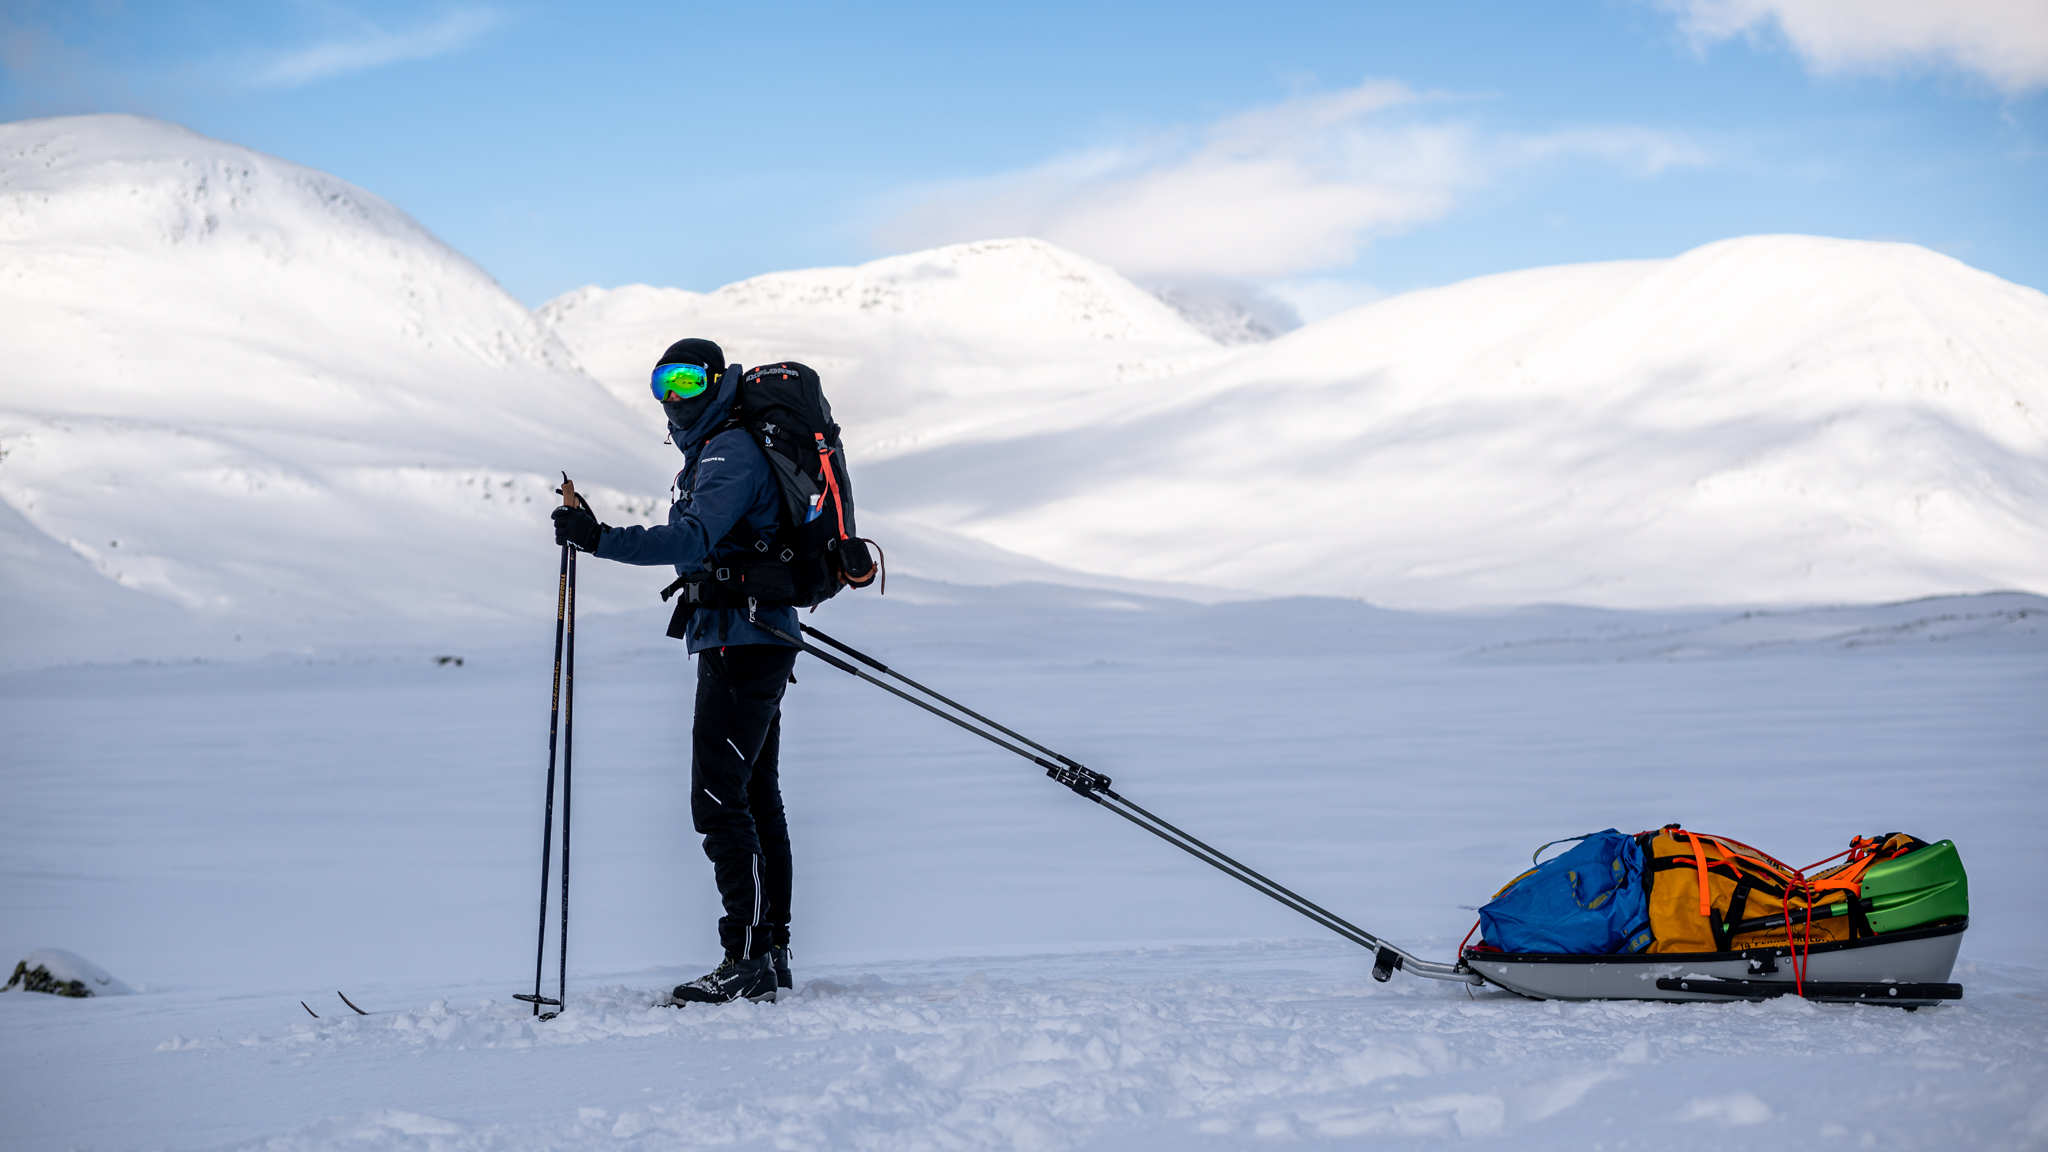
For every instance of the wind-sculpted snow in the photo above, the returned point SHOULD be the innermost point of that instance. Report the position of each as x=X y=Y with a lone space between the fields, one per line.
x=1189 y=1048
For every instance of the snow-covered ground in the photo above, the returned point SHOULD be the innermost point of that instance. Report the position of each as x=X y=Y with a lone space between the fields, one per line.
x=1268 y=1045
x=268 y=450
x=990 y=962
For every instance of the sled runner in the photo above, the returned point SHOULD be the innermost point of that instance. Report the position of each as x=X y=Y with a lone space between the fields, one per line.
x=1668 y=914
x=1908 y=969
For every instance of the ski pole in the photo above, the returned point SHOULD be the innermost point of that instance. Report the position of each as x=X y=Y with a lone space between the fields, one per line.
x=568 y=744
x=561 y=722
x=1093 y=785
x=547 y=824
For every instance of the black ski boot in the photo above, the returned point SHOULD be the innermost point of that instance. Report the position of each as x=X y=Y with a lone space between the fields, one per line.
x=784 y=982
x=732 y=979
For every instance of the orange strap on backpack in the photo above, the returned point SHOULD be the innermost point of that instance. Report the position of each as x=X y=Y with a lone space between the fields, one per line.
x=1699 y=855
x=831 y=480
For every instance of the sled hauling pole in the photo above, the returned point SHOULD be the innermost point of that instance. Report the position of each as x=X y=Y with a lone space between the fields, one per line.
x=561 y=722
x=1093 y=785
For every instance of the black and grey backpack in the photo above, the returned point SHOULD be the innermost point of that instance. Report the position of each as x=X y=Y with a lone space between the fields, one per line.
x=815 y=551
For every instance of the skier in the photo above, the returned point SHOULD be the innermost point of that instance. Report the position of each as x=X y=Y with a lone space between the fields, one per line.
x=742 y=669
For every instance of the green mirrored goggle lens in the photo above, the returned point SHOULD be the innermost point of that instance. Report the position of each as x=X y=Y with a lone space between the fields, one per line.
x=680 y=381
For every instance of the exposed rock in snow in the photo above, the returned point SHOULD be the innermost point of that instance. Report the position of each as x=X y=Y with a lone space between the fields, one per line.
x=61 y=973
x=1228 y=313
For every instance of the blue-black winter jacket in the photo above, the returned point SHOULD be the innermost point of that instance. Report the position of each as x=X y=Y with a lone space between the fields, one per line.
x=725 y=481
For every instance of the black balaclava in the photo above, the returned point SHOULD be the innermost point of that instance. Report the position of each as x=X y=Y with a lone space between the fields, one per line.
x=682 y=414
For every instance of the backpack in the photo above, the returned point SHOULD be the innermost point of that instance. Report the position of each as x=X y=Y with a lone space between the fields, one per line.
x=814 y=552
x=1589 y=900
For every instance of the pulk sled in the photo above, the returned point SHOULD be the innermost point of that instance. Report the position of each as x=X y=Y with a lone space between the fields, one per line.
x=562 y=723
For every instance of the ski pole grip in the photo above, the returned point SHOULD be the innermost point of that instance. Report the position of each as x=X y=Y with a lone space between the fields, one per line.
x=568 y=491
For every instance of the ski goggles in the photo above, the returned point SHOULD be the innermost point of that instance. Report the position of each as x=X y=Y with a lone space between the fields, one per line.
x=680 y=381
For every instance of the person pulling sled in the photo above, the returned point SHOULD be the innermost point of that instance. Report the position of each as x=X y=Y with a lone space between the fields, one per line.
x=761 y=524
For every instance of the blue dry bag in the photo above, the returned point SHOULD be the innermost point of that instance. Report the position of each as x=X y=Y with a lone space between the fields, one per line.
x=1589 y=901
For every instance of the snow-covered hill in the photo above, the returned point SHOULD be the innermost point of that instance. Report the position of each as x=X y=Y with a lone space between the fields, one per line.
x=258 y=394
x=241 y=398
x=966 y=342
x=1768 y=419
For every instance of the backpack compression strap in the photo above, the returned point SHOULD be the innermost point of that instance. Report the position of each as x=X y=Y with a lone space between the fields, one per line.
x=831 y=481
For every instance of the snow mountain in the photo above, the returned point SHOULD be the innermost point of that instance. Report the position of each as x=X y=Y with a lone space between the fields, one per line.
x=246 y=405
x=246 y=402
x=970 y=341
x=1769 y=419
x=245 y=397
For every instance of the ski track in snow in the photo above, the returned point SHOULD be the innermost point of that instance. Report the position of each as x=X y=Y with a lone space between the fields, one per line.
x=1199 y=1047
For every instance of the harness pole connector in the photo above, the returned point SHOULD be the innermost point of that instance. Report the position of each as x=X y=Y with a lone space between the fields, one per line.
x=1084 y=781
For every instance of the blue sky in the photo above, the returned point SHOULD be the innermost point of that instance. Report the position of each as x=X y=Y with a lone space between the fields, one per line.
x=1326 y=152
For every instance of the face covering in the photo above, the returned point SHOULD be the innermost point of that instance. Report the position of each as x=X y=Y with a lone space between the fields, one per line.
x=684 y=414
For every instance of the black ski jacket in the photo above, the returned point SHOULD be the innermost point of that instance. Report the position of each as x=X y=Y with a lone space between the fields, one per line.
x=725 y=482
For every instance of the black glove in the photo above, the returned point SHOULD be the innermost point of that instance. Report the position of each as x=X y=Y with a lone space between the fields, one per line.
x=579 y=527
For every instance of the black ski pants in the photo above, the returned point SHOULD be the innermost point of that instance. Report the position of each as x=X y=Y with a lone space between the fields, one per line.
x=735 y=796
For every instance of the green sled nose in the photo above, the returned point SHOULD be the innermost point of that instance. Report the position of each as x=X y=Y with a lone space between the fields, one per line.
x=1918 y=888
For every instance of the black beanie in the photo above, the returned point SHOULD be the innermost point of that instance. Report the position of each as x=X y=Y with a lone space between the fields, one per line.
x=694 y=351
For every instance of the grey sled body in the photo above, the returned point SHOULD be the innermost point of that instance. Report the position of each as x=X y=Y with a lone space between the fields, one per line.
x=1915 y=956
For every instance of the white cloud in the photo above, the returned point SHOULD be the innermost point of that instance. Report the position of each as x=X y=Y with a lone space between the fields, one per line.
x=1298 y=186
x=374 y=48
x=2004 y=41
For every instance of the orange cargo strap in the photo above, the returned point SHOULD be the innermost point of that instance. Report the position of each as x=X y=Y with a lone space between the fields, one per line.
x=1699 y=855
